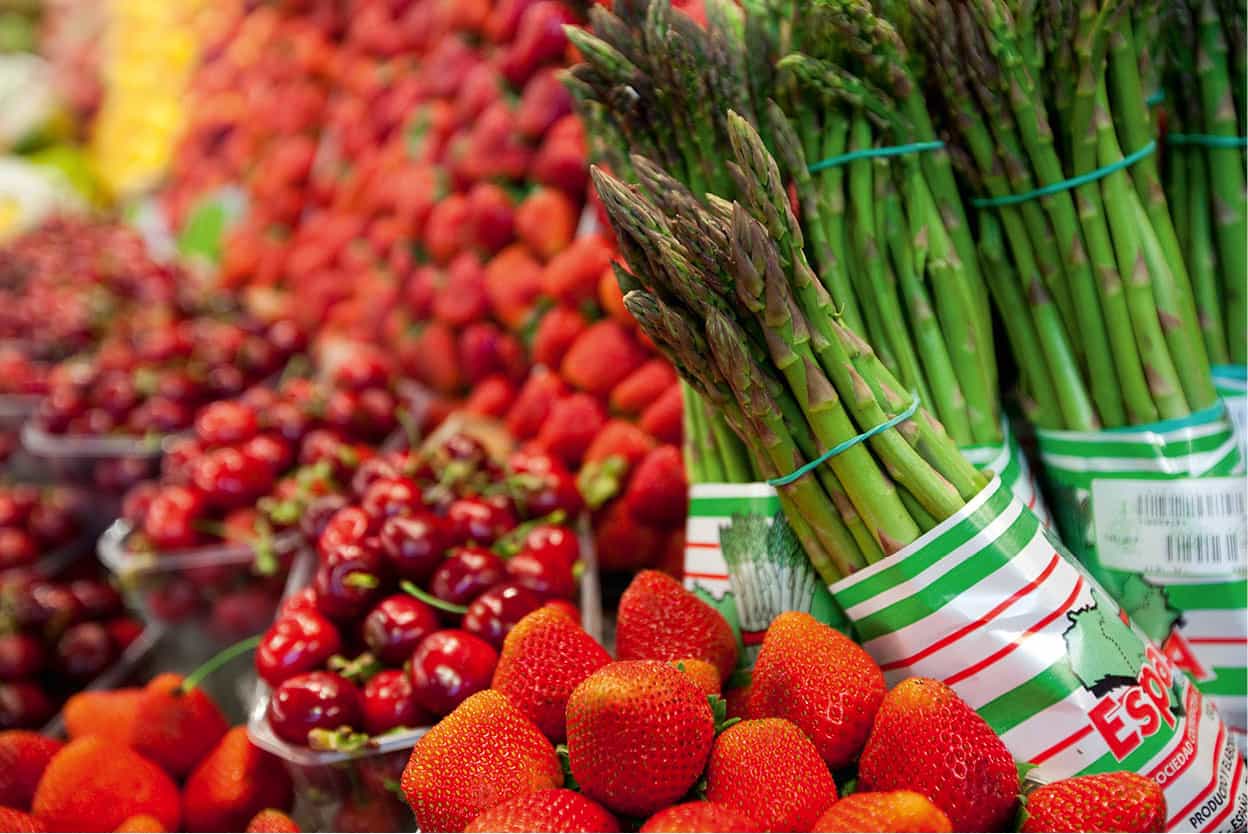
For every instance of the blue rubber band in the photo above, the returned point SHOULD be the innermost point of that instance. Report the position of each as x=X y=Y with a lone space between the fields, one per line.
x=1155 y=98
x=847 y=445
x=1206 y=140
x=1073 y=182
x=870 y=153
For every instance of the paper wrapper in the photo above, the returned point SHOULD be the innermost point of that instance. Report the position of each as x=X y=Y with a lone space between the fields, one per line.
x=990 y=603
x=1159 y=515
x=1231 y=382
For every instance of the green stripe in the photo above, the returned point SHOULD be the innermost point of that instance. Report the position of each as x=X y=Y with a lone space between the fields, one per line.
x=928 y=555
x=1098 y=448
x=765 y=505
x=1227 y=680
x=1007 y=711
x=938 y=594
x=1137 y=759
x=1214 y=596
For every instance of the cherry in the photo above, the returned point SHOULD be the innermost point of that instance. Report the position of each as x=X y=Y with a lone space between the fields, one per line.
x=547 y=578
x=448 y=666
x=172 y=516
x=302 y=600
x=414 y=544
x=47 y=606
x=260 y=399
x=177 y=385
x=466 y=573
x=478 y=520
x=23 y=704
x=16 y=504
x=159 y=415
x=176 y=464
x=17 y=548
x=259 y=357
x=313 y=701
x=464 y=448
x=348 y=526
x=366 y=368
x=317 y=515
x=225 y=423
x=21 y=656
x=119 y=474
x=58 y=409
x=375 y=413
x=98 y=599
x=51 y=523
x=84 y=651
x=348 y=580
x=390 y=497
x=123 y=631
x=270 y=449
x=228 y=478
x=174 y=600
x=322 y=445
x=553 y=543
x=115 y=393
x=371 y=471
x=225 y=381
x=242 y=612
x=289 y=420
x=389 y=703
x=286 y=337
x=395 y=627
x=297 y=642
x=492 y=615
x=93 y=421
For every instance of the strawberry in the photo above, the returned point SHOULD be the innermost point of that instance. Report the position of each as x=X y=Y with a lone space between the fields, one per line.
x=546 y=221
x=177 y=727
x=110 y=714
x=490 y=216
x=611 y=298
x=447 y=230
x=617 y=449
x=233 y=783
x=704 y=674
x=884 y=811
x=662 y=418
x=434 y=358
x=639 y=732
x=533 y=403
x=927 y=739
x=659 y=620
x=551 y=810
x=571 y=277
x=484 y=753
x=141 y=823
x=768 y=769
x=461 y=299
x=94 y=784
x=642 y=387
x=561 y=161
x=658 y=491
x=1118 y=801
x=601 y=357
x=672 y=559
x=698 y=816
x=737 y=700
x=624 y=544
x=539 y=38
x=23 y=757
x=544 y=102
x=491 y=397
x=544 y=658
x=570 y=427
x=513 y=283
x=800 y=662
x=272 y=821
x=19 y=822
x=484 y=349
x=555 y=333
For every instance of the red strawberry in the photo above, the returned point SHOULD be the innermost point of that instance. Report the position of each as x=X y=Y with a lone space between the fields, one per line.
x=766 y=768
x=544 y=658
x=94 y=784
x=236 y=781
x=142 y=824
x=19 y=822
x=611 y=298
x=491 y=397
x=561 y=160
x=555 y=333
x=657 y=493
x=659 y=620
x=484 y=350
x=546 y=221
x=544 y=101
x=513 y=283
x=624 y=543
x=23 y=757
x=886 y=811
x=639 y=732
x=927 y=739
x=601 y=357
x=551 y=810
x=672 y=559
x=539 y=38
x=532 y=405
x=461 y=299
x=738 y=701
x=434 y=358
x=482 y=754
x=571 y=426
x=109 y=714
x=662 y=419
x=618 y=448
x=698 y=816
x=272 y=821
x=800 y=662
x=642 y=387
x=491 y=216
x=177 y=728
x=447 y=231
x=571 y=277
x=704 y=674
x=1118 y=801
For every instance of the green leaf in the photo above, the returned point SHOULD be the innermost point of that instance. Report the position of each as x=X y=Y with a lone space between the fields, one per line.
x=357 y=670
x=565 y=763
x=601 y=480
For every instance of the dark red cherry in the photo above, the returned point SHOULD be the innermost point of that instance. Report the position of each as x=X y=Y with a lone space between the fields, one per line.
x=395 y=627
x=466 y=573
x=553 y=543
x=297 y=642
x=478 y=520
x=317 y=515
x=495 y=613
x=370 y=471
x=548 y=578
x=172 y=518
x=314 y=701
x=98 y=599
x=21 y=656
x=389 y=703
x=23 y=705
x=348 y=526
x=271 y=449
x=389 y=497
x=348 y=580
x=448 y=666
x=414 y=545
x=17 y=548
x=85 y=651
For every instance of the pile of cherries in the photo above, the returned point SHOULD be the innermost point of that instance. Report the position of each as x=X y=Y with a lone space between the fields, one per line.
x=35 y=521
x=55 y=638
x=420 y=575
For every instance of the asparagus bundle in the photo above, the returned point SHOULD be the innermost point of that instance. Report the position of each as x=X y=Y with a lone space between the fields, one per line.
x=726 y=292
x=887 y=234
x=1087 y=275
x=1205 y=77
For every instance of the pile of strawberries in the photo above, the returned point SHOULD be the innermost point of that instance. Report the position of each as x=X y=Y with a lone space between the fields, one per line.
x=569 y=740
x=157 y=758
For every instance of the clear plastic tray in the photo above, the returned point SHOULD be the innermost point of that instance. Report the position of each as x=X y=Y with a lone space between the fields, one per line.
x=89 y=448
x=17 y=409
x=121 y=672
x=325 y=781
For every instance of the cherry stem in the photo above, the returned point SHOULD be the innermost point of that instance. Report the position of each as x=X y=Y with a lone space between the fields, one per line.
x=220 y=659
x=429 y=599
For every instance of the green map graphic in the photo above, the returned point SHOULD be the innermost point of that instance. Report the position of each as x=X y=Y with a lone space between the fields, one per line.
x=1104 y=652
x=1148 y=606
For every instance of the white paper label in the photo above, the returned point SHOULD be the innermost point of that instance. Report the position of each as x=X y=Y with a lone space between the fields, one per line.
x=1191 y=527
x=1237 y=407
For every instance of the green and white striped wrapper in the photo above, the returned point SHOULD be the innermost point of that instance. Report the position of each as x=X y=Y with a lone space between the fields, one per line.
x=1231 y=383
x=1007 y=460
x=1157 y=514
x=991 y=604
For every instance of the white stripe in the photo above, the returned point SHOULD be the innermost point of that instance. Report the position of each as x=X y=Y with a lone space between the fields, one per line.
x=1048 y=727
x=1212 y=622
x=752 y=490
x=1234 y=711
x=1106 y=438
x=705 y=528
x=705 y=560
x=1196 y=464
x=1224 y=655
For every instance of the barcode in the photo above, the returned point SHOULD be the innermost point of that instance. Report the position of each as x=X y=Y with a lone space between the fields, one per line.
x=1206 y=549
x=1160 y=506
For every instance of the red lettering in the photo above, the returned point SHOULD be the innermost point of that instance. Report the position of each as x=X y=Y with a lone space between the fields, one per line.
x=1108 y=721
x=1158 y=693
x=1141 y=710
x=1159 y=660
